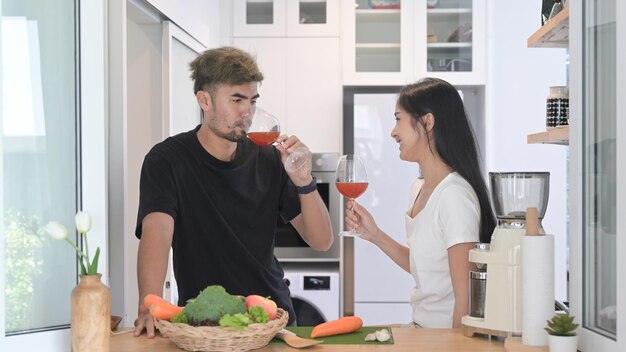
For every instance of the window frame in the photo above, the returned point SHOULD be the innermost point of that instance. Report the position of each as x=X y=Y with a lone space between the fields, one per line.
x=590 y=340
x=92 y=136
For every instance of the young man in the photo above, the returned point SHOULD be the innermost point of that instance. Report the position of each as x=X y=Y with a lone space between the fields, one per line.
x=213 y=196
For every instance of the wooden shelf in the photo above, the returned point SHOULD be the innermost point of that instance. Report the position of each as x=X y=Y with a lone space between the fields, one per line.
x=559 y=135
x=553 y=34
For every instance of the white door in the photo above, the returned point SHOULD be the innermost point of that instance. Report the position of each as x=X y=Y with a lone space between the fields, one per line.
x=181 y=111
x=52 y=162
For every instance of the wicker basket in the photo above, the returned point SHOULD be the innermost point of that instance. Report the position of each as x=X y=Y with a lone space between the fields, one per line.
x=217 y=338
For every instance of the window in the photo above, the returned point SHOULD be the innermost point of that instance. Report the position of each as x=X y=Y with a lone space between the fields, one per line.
x=599 y=163
x=52 y=162
x=39 y=166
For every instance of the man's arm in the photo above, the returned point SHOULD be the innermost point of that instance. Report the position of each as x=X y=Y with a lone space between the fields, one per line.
x=154 y=246
x=313 y=223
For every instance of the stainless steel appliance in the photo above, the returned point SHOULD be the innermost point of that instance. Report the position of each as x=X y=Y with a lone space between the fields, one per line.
x=478 y=286
x=289 y=246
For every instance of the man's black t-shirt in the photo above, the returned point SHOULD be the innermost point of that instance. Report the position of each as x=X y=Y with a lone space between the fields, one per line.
x=224 y=215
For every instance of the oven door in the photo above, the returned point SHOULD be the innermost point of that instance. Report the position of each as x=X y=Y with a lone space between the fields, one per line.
x=288 y=245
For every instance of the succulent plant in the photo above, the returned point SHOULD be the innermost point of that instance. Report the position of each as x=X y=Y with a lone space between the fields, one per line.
x=561 y=325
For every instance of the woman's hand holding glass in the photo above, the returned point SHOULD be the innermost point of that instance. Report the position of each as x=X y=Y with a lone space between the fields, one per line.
x=360 y=219
x=351 y=182
x=265 y=130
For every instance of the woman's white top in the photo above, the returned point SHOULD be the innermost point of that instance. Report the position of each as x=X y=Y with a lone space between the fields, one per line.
x=451 y=216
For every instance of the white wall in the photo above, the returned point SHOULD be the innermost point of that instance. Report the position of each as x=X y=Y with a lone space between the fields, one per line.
x=517 y=86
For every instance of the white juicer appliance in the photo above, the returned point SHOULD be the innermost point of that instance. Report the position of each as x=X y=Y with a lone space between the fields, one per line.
x=512 y=194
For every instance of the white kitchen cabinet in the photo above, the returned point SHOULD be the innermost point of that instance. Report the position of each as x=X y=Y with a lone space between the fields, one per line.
x=303 y=91
x=279 y=18
x=392 y=46
x=296 y=44
x=383 y=313
x=452 y=45
x=377 y=44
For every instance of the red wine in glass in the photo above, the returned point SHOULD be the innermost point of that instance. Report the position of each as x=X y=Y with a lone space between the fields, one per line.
x=351 y=190
x=264 y=130
x=351 y=181
x=263 y=138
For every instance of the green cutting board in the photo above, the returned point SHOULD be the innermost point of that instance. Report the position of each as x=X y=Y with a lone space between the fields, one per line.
x=355 y=338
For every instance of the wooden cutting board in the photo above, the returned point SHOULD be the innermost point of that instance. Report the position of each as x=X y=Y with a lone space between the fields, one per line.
x=355 y=338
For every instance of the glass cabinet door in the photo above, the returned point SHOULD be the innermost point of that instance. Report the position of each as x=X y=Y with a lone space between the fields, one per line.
x=449 y=35
x=259 y=18
x=450 y=40
x=280 y=18
x=313 y=18
x=259 y=12
x=377 y=41
x=599 y=165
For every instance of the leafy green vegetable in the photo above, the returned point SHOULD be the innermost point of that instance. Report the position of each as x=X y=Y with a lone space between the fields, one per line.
x=258 y=315
x=239 y=320
x=180 y=318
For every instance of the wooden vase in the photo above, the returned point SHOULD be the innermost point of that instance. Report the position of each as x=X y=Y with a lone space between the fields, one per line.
x=91 y=315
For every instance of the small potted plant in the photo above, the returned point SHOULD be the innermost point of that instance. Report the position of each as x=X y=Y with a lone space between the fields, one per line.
x=562 y=333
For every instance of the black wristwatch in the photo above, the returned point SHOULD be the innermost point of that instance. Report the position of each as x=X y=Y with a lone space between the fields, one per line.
x=308 y=188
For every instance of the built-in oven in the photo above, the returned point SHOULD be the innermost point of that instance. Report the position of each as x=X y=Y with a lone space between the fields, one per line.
x=289 y=246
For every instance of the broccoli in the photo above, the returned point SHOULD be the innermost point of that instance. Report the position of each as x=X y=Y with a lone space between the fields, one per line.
x=211 y=304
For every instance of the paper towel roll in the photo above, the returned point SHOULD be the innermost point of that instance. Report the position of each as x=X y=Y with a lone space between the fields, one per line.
x=537 y=288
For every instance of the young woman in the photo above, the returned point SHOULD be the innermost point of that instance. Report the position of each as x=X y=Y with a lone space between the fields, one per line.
x=449 y=207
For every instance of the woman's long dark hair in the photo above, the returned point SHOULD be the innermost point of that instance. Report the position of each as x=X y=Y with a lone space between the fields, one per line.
x=454 y=138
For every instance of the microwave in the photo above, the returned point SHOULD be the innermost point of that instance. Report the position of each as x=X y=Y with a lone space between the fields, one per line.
x=288 y=245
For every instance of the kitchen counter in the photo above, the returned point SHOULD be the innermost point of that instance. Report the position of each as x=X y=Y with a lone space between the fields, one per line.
x=406 y=339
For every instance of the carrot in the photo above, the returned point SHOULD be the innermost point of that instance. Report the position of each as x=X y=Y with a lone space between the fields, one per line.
x=150 y=299
x=164 y=310
x=343 y=325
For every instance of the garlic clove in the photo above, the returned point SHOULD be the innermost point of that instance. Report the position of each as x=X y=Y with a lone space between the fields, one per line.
x=370 y=337
x=382 y=335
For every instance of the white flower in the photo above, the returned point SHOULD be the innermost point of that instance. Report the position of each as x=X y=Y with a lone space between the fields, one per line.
x=83 y=225
x=56 y=230
x=83 y=221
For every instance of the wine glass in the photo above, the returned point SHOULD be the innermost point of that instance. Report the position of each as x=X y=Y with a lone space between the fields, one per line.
x=264 y=130
x=351 y=181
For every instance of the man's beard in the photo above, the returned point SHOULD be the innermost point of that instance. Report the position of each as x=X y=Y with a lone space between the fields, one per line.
x=232 y=135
